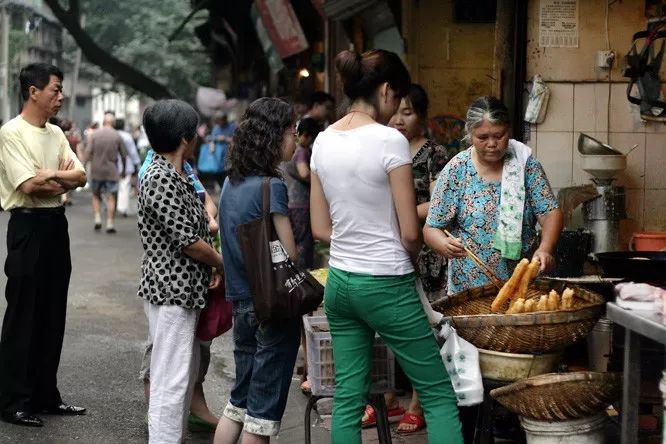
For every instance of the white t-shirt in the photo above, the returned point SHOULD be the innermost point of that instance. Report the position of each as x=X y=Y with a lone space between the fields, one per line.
x=353 y=168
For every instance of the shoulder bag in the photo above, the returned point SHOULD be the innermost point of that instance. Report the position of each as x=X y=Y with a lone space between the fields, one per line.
x=279 y=289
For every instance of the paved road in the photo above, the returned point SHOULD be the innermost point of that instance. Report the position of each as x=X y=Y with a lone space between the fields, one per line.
x=106 y=329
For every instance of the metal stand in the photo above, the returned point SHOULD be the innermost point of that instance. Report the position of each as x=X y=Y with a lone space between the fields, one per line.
x=485 y=421
x=381 y=413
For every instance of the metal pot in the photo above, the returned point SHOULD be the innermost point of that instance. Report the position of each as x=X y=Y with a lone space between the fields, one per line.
x=637 y=266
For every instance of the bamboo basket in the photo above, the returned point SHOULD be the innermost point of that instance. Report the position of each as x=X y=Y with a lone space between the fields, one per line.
x=533 y=333
x=560 y=396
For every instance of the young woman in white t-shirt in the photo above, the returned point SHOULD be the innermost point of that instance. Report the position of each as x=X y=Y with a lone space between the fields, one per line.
x=362 y=202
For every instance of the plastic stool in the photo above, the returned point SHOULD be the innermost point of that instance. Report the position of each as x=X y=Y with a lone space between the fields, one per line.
x=381 y=412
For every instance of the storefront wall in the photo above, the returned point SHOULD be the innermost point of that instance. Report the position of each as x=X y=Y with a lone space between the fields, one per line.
x=452 y=61
x=587 y=99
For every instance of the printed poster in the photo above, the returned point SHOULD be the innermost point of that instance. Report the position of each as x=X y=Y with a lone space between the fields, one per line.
x=558 y=23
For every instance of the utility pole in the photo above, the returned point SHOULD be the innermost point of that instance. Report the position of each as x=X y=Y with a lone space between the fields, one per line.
x=4 y=62
x=75 y=77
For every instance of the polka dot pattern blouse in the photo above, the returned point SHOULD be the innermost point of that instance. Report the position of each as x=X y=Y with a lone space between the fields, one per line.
x=170 y=218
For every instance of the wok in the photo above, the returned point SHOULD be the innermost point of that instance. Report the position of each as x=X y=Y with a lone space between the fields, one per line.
x=637 y=266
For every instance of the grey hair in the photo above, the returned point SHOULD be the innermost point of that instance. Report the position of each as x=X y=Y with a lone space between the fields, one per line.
x=485 y=108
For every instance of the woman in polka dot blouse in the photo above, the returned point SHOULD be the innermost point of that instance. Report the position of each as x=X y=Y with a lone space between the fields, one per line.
x=179 y=265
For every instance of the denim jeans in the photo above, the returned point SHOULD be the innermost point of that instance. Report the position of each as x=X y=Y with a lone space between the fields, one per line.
x=265 y=355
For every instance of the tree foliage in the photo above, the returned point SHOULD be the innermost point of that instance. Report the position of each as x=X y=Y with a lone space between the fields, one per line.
x=135 y=33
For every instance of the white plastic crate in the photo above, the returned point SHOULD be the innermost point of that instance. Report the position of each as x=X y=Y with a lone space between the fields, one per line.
x=321 y=367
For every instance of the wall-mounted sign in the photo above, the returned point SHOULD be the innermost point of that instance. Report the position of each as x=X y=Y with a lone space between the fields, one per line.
x=558 y=23
x=282 y=26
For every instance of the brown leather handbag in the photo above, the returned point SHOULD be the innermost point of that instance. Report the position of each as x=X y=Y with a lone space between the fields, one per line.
x=279 y=289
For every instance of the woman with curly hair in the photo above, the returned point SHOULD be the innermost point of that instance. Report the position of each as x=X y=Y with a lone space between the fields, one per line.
x=264 y=354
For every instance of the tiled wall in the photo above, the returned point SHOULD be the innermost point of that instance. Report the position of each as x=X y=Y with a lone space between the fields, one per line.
x=603 y=111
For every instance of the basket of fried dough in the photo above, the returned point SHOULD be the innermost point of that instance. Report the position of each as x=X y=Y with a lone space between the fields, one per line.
x=525 y=316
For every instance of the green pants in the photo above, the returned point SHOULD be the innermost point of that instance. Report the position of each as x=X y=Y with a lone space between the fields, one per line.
x=357 y=306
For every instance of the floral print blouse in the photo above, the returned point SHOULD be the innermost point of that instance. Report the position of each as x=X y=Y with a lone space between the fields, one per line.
x=468 y=206
x=426 y=166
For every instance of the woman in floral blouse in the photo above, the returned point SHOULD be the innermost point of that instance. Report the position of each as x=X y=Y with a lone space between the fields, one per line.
x=428 y=159
x=490 y=198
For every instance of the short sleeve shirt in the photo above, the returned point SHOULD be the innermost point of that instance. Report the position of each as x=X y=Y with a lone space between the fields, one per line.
x=241 y=203
x=353 y=167
x=171 y=217
x=106 y=151
x=298 y=189
x=24 y=149
x=468 y=206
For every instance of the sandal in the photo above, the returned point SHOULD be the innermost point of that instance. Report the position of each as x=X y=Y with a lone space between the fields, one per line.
x=411 y=419
x=394 y=415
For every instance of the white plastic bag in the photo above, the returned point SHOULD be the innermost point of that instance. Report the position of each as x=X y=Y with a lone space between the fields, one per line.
x=537 y=103
x=434 y=317
x=461 y=360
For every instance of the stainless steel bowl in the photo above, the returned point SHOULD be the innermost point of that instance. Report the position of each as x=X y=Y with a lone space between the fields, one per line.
x=589 y=145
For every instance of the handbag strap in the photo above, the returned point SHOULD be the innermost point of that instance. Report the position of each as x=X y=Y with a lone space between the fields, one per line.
x=266 y=197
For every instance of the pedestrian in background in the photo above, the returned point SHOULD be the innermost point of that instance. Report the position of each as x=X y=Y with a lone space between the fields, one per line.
x=132 y=162
x=36 y=167
x=297 y=177
x=178 y=266
x=363 y=203
x=264 y=354
x=105 y=151
x=321 y=108
x=212 y=162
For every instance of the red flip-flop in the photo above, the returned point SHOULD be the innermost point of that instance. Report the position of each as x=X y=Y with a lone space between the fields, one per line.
x=394 y=415
x=411 y=419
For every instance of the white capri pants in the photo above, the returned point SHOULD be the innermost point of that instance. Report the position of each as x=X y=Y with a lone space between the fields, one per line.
x=173 y=369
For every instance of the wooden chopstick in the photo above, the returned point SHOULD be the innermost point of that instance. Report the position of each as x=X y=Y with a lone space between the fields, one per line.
x=484 y=268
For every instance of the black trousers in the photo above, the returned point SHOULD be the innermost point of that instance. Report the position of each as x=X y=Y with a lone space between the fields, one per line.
x=38 y=268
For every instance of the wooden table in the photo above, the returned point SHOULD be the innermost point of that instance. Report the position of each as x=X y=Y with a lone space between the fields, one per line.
x=636 y=323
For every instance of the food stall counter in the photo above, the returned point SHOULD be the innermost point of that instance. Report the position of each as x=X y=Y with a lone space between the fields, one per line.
x=650 y=324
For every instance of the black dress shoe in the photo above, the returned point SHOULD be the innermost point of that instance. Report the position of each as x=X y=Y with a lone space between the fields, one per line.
x=65 y=410
x=22 y=418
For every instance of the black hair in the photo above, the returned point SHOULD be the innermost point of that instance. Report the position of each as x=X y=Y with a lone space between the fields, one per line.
x=418 y=99
x=256 y=147
x=168 y=122
x=361 y=74
x=120 y=124
x=309 y=127
x=37 y=75
x=319 y=97
x=485 y=108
